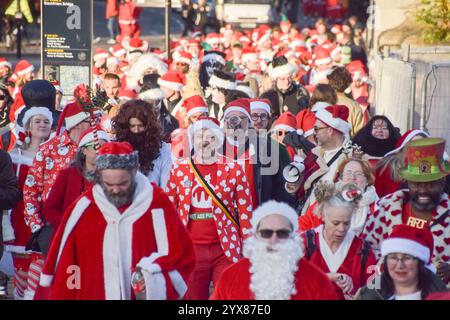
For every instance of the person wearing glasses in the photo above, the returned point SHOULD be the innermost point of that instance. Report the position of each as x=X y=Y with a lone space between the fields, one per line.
x=331 y=133
x=273 y=267
x=52 y=156
x=407 y=270
x=350 y=171
x=333 y=246
x=285 y=124
x=423 y=204
x=260 y=115
x=213 y=200
x=262 y=158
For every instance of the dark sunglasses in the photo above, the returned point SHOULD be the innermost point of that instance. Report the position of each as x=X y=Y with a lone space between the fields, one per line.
x=268 y=233
x=281 y=133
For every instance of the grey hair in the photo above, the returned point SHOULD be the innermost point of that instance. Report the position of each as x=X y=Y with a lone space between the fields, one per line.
x=336 y=201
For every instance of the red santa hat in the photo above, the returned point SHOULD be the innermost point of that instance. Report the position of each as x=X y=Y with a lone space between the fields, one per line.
x=357 y=70
x=405 y=139
x=72 y=115
x=23 y=67
x=306 y=120
x=194 y=43
x=263 y=38
x=298 y=42
x=249 y=55
x=212 y=38
x=117 y=50
x=321 y=56
x=206 y=123
x=88 y=136
x=241 y=105
x=319 y=105
x=272 y=207
x=100 y=54
x=286 y=122
x=183 y=57
x=126 y=95
x=5 y=63
x=336 y=29
x=117 y=155
x=409 y=240
x=136 y=44
x=195 y=104
x=336 y=117
x=173 y=80
x=260 y=104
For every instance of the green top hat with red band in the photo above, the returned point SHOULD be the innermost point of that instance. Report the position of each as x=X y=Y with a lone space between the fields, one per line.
x=424 y=161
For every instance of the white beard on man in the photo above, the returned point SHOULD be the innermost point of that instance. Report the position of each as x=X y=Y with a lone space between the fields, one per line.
x=273 y=267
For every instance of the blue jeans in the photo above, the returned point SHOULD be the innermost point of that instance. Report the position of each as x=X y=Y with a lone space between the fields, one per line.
x=113 y=28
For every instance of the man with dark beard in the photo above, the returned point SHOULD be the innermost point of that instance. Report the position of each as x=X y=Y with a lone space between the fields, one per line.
x=273 y=267
x=423 y=205
x=123 y=223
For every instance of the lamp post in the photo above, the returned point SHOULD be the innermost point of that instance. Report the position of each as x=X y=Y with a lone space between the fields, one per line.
x=167 y=28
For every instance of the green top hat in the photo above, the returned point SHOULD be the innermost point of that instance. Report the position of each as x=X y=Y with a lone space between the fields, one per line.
x=424 y=161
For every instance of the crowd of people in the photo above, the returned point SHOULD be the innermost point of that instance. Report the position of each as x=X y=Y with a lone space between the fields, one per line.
x=250 y=165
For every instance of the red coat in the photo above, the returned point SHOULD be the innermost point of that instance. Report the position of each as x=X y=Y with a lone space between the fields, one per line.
x=351 y=265
x=68 y=186
x=310 y=282
x=105 y=245
x=112 y=8
x=231 y=187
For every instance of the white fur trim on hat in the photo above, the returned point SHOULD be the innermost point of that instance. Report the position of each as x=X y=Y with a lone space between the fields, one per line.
x=5 y=64
x=171 y=85
x=323 y=61
x=101 y=135
x=274 y=207
x=119 y=52
x=319 y=105
x=34 y=111
x=25 y=71
x=410 y=136
x=152 y=94
x=197 y=110
x=249 y=57
x=308 y=133
x=284 y=70
x=236 y=108
x=406 y=246
x=102 y=55
x=112 y=60
x=72 y=121
x=205 y=124
x=247 y=90
x=221 y=83
x=336 y=123
x=255 y=105
x=284 y=128
x=214 y=56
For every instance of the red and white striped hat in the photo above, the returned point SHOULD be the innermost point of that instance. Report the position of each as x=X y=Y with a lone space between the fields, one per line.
x=195 y=104
x=173 y=80
x=5 y=63
x=117 y=50
x=336 y=117
x=241 y=105
x=260 y=104
x=286 y=122
x=23 y=67
x=100 y=54
x=88 y=136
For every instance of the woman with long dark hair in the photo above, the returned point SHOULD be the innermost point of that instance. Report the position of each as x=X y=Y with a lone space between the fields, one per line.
x=407 y=272
x=137 y=123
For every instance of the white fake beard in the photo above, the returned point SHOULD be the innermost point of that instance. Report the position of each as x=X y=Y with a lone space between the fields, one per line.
x=273 y=272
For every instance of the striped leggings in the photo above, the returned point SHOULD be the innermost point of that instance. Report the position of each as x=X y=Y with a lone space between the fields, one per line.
x=27 y=271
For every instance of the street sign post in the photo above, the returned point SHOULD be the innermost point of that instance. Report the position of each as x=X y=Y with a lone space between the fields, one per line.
x=66 y=42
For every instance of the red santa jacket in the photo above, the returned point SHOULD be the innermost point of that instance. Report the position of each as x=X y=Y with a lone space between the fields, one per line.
x=112 y=9
x=310 y=282
x=100 y=246
x=388 y=213
x=231 y=187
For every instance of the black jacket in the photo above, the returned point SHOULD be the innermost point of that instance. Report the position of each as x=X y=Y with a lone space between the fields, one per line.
x=295 y=99
x=365 y=293
x=269 y=182
x=9 y=187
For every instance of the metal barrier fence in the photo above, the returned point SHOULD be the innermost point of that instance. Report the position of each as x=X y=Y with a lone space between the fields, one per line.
x=416 y=94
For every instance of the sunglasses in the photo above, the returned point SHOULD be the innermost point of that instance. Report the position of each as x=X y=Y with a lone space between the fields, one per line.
x=281 y=133
x=268 y=233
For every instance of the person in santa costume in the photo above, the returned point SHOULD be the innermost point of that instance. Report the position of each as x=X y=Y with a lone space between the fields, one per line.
x=262 y=158
x=412 y=278
x=285 y=124
x=213 y=199
x=222 y=86
x=286 y=95
x=331 y=134
x=260 y=115
x=172 y=84
x=36 y=123
x=273 y=267
x=53 y=155
x=387 y=178
x=424 y=204
x=322 y=66
x=122 y=207
x=352 y=170
x=137 y=124
x=5 y=72
x=129 y=15
x=333 y=246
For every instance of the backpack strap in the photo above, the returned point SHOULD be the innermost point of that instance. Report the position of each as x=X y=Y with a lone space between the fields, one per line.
x=365 y=250
x=310 y=243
